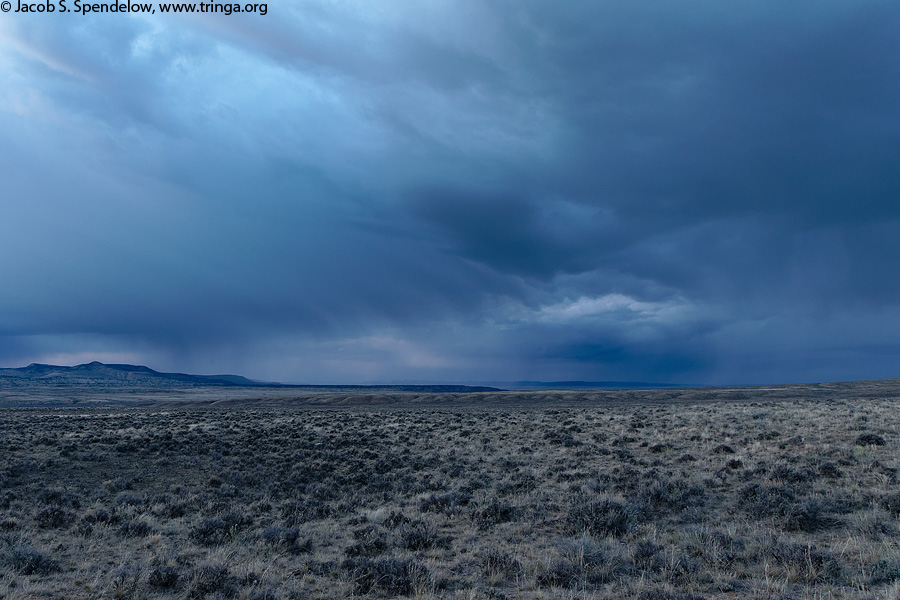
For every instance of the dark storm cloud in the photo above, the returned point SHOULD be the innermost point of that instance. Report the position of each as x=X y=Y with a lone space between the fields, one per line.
x=517 y=235
x=467 y=190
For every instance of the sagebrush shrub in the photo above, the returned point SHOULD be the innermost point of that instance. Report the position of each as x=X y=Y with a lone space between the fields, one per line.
x=601 y=517
x=210 y=578
x=761 y=501
x=28 y=561
x=163 y=577
x=494 y=513
x=498 y=563
x=809 y=515
x=136 y=528
x=809 y=563
x=449 y=503
x=54 y=517
x=560 y=573
x=369 y=542
x=388 y=575
x=870 y=439
x=212 y=531
x=418 y=535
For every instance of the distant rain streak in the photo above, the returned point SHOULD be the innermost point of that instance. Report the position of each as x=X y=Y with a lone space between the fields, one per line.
x=85 y=8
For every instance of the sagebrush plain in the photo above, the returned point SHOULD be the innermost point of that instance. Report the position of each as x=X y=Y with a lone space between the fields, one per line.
x=779 y=492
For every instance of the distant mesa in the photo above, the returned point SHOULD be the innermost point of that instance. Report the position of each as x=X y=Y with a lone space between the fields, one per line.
x=100 y=374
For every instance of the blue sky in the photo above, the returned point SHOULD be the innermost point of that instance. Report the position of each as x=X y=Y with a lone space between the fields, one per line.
x=470 y=190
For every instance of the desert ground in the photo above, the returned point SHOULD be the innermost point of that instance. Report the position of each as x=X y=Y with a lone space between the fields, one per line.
x=778 y=492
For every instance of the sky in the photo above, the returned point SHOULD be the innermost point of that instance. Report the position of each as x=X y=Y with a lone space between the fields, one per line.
x=351 y=191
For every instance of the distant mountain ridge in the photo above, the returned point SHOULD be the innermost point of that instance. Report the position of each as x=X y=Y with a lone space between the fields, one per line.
x=97 y=373
x=100 y=375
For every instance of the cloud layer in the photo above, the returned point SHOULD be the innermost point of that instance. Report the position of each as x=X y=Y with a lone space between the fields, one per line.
x=457 y=191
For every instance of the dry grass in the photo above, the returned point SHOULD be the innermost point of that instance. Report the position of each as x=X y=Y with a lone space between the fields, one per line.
x=700 y=498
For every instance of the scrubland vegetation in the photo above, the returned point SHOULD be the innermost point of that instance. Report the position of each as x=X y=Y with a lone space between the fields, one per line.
x=728 y=499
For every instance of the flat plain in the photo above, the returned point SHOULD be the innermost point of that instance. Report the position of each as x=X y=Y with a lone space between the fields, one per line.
x=775 y=492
